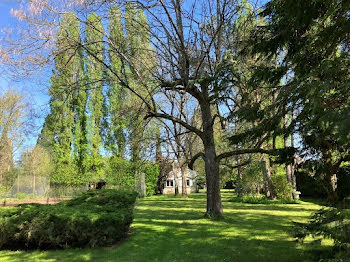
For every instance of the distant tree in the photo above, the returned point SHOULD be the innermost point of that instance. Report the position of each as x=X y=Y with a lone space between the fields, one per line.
x=247 y=97
x=12 y=114
x=36 y=163
x=181 y=145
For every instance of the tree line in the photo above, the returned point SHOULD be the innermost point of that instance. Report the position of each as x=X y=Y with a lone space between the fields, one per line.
x=263 y=88
x=91 y=115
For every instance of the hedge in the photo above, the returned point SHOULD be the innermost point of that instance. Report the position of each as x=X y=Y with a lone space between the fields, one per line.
x=95 y=218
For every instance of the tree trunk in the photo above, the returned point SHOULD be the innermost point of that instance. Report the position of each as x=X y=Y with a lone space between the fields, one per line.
x=176 y=188
x=212 y=175
x=294 y=180
x=289 y=169
x=33 y=184
x=289 y=173
x=239 y=186
x=17 y=184
x=269 y=188
x=214 y=206
x=140 y=184
x=289 y=166
x=330 y=185
x=329 y=176
x=184 y=185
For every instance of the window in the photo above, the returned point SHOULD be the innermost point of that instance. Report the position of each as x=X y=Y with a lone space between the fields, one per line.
x=169 y=183
x=188 y=182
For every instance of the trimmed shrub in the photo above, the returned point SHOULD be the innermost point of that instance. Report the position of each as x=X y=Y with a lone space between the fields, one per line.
x=95 y=218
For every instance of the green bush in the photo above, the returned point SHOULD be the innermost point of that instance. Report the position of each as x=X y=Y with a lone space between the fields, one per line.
x=151 y=171
x=252 y=181
x=121 y=173
x=282 y=187
x=95 y=218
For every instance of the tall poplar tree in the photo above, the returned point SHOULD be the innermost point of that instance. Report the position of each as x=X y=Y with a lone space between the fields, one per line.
x=81 y=147
x=94 y=71
x=116 y=137
x=57 y=133
x=140 y=60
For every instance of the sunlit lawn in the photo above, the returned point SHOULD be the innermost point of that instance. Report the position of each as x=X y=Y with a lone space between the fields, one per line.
x=166 y=229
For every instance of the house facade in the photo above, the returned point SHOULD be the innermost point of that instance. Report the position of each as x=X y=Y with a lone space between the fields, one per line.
x=175 y=178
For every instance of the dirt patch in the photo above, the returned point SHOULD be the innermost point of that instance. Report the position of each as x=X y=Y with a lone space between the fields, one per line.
x=49 y=201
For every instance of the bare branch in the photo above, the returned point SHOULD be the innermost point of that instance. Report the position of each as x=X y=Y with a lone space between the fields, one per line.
x=194 y=159
x=245 y=151
x=175 y=119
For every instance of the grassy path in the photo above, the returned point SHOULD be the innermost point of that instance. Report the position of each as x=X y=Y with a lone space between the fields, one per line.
x=168 y=229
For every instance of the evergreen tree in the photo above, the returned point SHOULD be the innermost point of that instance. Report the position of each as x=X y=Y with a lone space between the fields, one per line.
x=313 y=36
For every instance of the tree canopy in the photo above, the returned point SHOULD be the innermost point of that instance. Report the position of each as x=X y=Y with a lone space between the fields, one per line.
x=259 y=89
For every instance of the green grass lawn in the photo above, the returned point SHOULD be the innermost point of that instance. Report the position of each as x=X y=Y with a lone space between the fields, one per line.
x=168 y=228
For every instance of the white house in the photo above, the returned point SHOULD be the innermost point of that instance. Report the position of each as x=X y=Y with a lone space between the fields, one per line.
x=175 y=176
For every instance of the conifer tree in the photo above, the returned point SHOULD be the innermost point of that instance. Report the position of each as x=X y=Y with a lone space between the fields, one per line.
x=313 y=38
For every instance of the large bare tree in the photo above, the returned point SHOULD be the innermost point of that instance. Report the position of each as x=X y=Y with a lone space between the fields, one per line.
x=181 y=143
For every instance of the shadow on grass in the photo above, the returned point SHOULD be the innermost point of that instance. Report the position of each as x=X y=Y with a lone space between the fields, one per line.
x=174 y=229
x=269 y=207
x=316 y=201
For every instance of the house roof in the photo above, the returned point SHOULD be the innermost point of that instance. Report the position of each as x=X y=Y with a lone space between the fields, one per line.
x=177 y=173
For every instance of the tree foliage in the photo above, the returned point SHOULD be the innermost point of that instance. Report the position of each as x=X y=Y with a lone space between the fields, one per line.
x=310 y=81
x=292 y=80
x=13 y=110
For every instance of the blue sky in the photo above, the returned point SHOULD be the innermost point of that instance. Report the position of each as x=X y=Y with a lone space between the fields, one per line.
x=5 y=7
x=35 y=94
